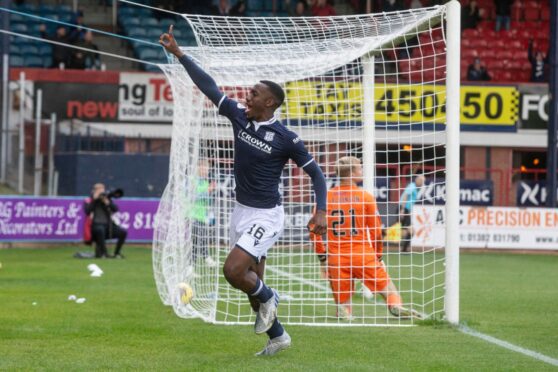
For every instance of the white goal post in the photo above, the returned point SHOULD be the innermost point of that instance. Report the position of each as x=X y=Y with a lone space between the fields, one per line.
x=381 y=87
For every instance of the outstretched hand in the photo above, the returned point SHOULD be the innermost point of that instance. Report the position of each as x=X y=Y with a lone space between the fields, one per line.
x=168 y=41
x=318 y=223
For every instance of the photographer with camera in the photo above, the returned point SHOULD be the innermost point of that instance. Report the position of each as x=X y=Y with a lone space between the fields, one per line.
x=99 y=207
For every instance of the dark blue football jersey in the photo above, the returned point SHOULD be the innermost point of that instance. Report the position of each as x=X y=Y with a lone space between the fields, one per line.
x=261 y=151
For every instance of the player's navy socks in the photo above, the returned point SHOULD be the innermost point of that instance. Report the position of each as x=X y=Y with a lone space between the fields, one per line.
x=276 y=329
x=261 y=291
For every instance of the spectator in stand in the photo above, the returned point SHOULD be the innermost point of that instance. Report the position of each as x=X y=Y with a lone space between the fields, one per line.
x=60 y=54
x=85 y=60
x=470 y=15
x=202 y=7
x=77 y=33
x=539 y=64
x=239 y=10
x=415 y=4
x=322 y=8
x=477 y=72
x=223 y=8
x=391 y=5
x=503 y=14
x=300 y=9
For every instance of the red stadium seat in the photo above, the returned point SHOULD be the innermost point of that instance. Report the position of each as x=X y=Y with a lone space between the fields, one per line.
x=543 y=46
x=498 y=43
x=465 y=43
x=520 y=55
x=494 y=74
x=425 y=38
x=487 y=53
x=504 y=54
x=439 y=46
x=441 y=73
x=469 y=54
x=479 y=43
x=486 y=25
x=531 y=14
x=514 y=64
x=470 y=33
x=542 y=34
x=404 y=66
x=531 y=25
x=516 y=11
x=491 y=63
x=437 y=34
x=524 y=75
x=545 y=13
x=513 y=44
x=501 y=75
x=489 y=33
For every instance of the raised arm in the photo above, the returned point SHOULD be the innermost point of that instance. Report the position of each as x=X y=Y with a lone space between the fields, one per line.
x=530 y=54
x=318 y=222
x=202 y=80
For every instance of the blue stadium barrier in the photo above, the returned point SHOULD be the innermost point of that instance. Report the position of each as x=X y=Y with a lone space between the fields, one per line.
x=45 y=50
x=137 y=32
x=19 y=27
x=29 y=50
x=150 y=22
x=16 y=60
x=34 y=61
x=148 y=54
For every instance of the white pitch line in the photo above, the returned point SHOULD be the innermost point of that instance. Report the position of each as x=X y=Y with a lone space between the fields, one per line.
x=323 y=287
x=507 y=345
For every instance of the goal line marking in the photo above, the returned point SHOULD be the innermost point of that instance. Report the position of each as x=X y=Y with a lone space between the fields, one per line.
x=301 y=279
x=509 y=346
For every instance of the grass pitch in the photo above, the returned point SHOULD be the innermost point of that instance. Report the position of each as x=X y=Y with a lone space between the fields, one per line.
x=124 y=326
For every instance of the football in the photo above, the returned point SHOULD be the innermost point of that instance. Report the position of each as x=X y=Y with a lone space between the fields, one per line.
x=186 y=293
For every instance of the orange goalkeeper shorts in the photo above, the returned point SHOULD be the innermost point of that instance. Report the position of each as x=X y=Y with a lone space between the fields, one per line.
x=343 y=270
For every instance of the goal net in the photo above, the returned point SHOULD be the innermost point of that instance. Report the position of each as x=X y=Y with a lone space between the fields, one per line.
x=371 y=86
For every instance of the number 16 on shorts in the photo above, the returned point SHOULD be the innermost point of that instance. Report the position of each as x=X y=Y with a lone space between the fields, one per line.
x=257 y=240
x=257 y=232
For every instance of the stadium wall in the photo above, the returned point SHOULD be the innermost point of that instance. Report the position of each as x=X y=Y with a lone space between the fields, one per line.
x=139 y=175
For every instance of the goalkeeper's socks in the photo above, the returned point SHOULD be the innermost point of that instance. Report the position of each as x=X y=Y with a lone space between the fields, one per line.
x=276 y=330
x=261 y=291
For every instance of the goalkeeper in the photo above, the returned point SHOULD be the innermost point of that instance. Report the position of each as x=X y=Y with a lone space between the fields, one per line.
x=262 y=147
x=354 y=243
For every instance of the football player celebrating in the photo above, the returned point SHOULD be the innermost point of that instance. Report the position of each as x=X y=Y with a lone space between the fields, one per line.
x=262 y=147
x=352 y=218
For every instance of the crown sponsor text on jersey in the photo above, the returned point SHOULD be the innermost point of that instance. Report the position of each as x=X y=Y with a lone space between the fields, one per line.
x=254 y=142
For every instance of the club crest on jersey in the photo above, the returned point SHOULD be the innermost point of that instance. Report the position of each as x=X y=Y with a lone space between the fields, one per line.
x=269 y=136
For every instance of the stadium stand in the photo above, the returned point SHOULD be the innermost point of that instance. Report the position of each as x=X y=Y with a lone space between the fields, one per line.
x=504 y=53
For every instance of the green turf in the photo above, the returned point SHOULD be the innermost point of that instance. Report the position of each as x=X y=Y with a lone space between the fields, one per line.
x=124 y=326
x=6 y=190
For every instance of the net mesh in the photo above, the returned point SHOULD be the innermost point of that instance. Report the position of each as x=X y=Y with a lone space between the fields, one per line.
x=370 y=86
